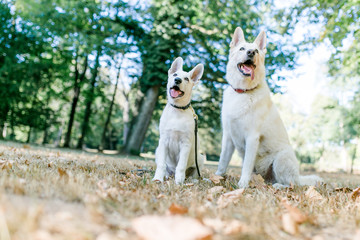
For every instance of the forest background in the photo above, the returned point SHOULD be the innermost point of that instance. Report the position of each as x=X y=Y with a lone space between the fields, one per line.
x=92 y=74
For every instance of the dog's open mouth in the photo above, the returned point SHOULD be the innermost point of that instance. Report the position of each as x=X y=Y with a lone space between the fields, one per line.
x=247 y=68
x=175 y=92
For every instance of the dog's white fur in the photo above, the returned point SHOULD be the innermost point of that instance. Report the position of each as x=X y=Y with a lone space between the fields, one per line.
x=251 y=122
x=176 y=150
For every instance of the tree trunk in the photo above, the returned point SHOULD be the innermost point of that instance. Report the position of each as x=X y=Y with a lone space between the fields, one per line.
x=89 y=101
x=46 y=135
x=29 y=136
x=108 y=118
x=3 y=121
x=126 y=119
x=12 y=126
x=142 y=121
x=353 y=157
x=2 y=127
x=75 y=100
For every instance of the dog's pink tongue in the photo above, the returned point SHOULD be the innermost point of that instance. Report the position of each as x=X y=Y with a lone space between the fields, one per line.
x=174 y=93
x=248 y=70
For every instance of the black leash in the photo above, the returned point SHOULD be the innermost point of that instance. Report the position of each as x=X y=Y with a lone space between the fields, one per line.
x=195 y=131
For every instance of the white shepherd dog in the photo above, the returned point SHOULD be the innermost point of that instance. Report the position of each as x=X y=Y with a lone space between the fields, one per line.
x=176 y=151
x=251 y=122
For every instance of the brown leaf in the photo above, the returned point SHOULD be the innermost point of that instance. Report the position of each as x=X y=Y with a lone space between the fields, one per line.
x=153 y=227
x=216 y=179
x=343 y=189
x=225 y=227
x=289 y=225
x=27 y=162
x=6 y=164
x=160 y=196
x=62 y=172
x=313 y=195
x=355 y=193
x=230 y=197
x=26 y=146
x=257 y=181
x=294 y=212
x=177 y=209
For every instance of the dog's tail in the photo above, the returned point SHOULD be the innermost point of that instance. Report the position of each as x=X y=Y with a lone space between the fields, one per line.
x=310 y=180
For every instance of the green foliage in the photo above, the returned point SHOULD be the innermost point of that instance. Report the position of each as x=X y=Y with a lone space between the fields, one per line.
x=45 y=46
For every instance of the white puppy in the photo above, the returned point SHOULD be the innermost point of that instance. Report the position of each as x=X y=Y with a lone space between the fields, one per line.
x=176 y=150
x=251 y=122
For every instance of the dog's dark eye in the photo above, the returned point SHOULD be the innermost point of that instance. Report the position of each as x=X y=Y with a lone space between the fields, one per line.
x=186 y=79
x=242 y=49
x=256 y=51
x=175 y=75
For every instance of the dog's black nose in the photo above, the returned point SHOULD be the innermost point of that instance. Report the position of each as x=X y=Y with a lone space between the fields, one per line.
x=251 y=53
x=178 y=80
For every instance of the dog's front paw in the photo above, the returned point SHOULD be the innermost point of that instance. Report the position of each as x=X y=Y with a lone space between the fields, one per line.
x=243 y=183
x=220 y=173
x=179 y=179
x=158 y=179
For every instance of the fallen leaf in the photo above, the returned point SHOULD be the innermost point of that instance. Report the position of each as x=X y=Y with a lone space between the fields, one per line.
x=153 y=227
x=160 y=196
x=225 y=227
x=6 y=164
x=189 y=184
x=216 y=179
x=257 y=181
x=177 y=209
x=230 y=197
x=294 y=212
x=62 y=172
x=355 y=193
x=26 y=146
x=289 y=225
x=343 y=189
x=313 y=195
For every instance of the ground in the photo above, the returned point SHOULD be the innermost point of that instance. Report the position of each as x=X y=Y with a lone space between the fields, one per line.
x=49 y=193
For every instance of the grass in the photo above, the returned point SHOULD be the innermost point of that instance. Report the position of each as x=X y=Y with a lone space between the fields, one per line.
x=63 y=194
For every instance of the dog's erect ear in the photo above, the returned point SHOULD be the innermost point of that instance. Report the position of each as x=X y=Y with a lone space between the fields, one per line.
x=176 y=65
x=237 y=38
x=196 y=73
x=261 y=40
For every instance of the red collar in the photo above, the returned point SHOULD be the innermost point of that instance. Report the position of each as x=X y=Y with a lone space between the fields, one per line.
x=239 y=90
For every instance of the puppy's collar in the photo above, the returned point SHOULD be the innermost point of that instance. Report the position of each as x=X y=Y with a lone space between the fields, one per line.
x=239 y=90
x=181 y=107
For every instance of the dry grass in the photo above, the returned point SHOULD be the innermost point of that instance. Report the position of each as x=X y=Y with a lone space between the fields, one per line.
x=62 y=194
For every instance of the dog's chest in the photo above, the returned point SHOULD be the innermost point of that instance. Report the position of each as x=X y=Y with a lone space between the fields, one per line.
x=176 y=126
x=239 y=110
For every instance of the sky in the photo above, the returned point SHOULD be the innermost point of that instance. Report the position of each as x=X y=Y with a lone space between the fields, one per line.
x=309 y=78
